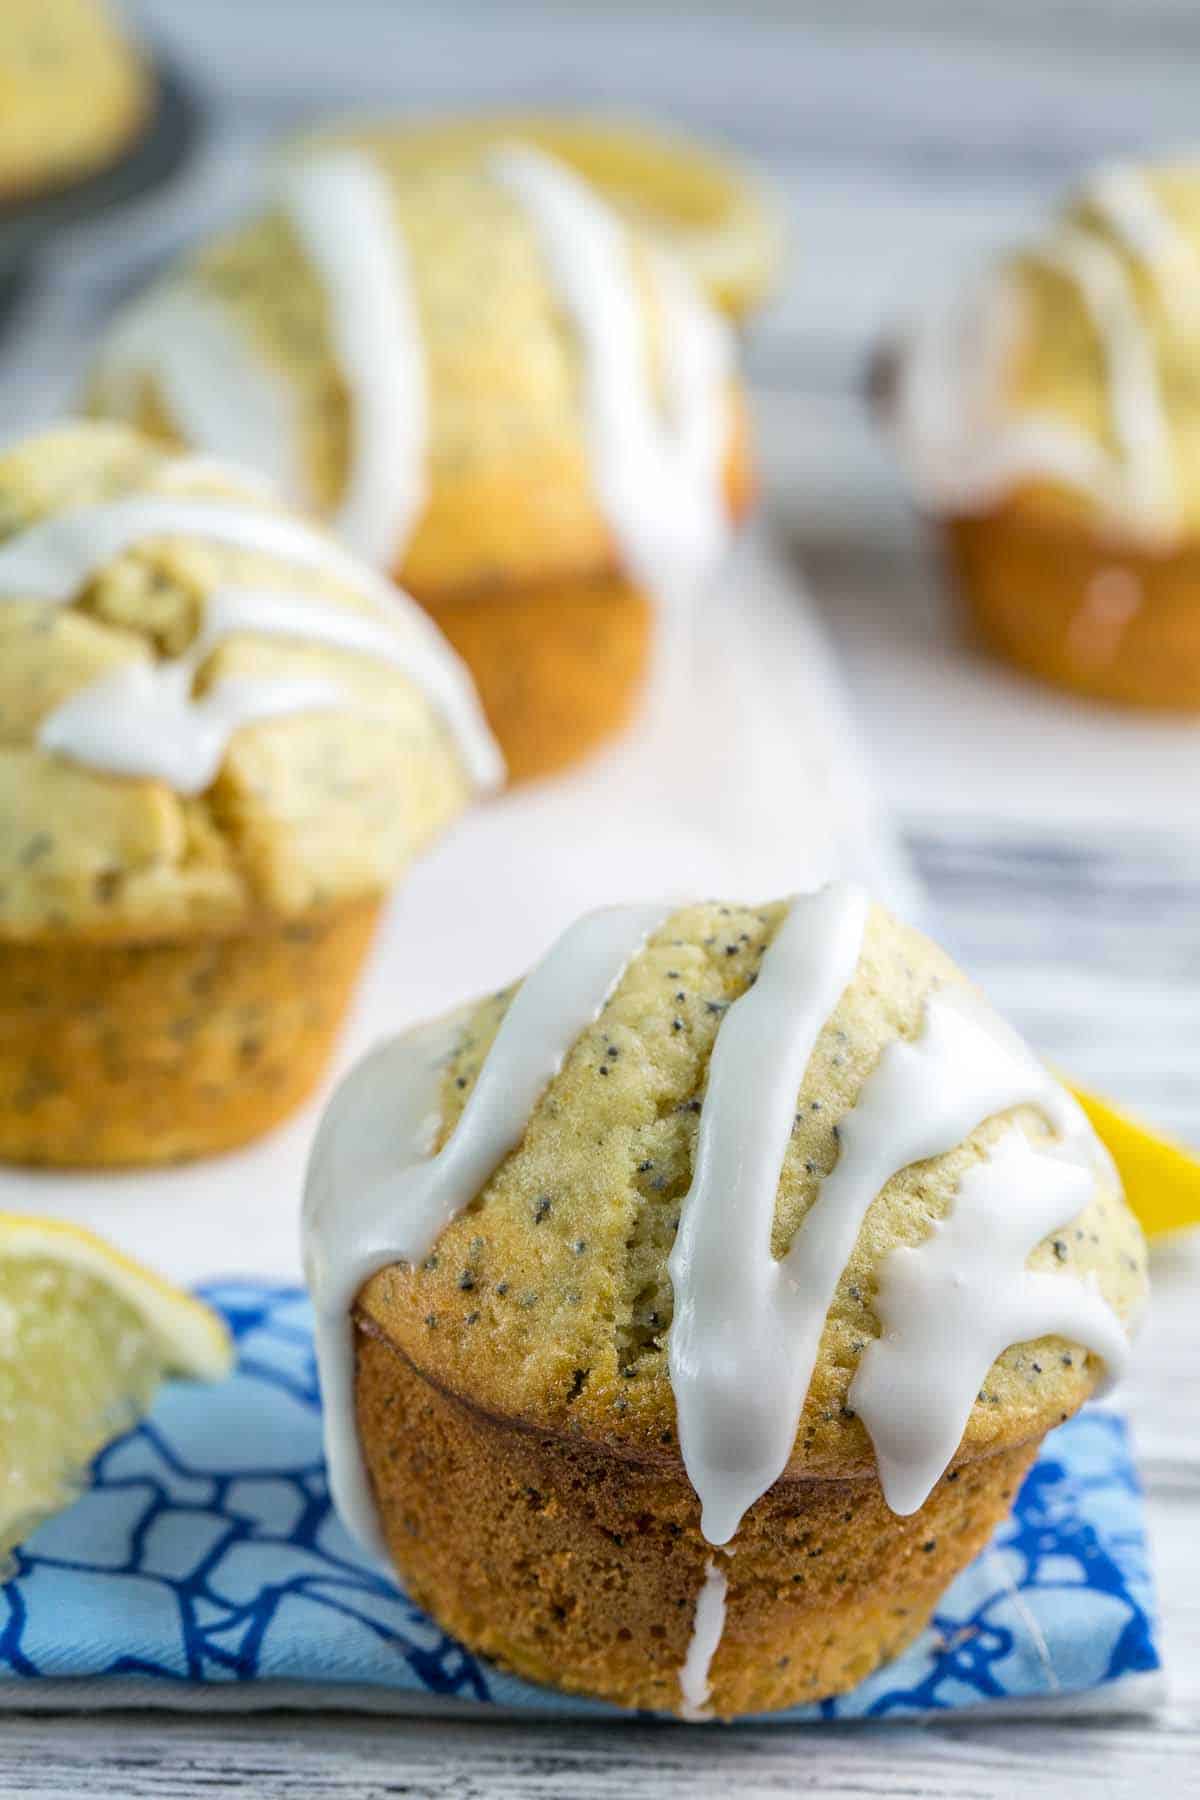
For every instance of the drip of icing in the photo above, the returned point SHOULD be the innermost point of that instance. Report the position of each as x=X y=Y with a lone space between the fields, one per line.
x=658 y=476
x=730 y=1346
x=374 y=1194
x=952 y=1305
x=708 y=1626
x=143 y=719
x=342 y=210
x=218 y=391
x=747 y=1327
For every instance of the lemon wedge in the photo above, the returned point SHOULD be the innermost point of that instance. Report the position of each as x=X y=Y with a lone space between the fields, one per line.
x=1161 y=1178
x=86 y=1336
x=715 y=213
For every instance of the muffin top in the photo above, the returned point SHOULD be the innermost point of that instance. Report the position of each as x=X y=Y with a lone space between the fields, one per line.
x=72 y=91
x=475 y=370
x=207 y=710
x=1066 y=382
x=782 y=1125
x=703 y=202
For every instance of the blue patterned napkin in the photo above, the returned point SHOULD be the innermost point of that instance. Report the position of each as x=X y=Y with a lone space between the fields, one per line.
x=204 y=1566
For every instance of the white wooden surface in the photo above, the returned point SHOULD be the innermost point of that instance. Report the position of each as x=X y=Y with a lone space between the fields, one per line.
x=1060 y=846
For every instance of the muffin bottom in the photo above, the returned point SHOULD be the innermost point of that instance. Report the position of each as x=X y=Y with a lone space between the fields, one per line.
x=576 y=1567
x=558 y=668
x=124 y=1054
x=1113 y=621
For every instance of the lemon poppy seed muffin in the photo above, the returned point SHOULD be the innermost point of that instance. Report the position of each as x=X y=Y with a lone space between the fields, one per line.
x=488 y=384
x=689 y=1314
x=74 y=93
x=1050 y=424
x=221 y=741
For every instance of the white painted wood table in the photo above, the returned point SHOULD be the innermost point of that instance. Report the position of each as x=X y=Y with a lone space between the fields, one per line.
x=1061 y=847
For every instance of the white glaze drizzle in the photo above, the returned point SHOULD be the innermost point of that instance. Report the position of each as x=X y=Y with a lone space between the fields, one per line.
x=964 y=446
x=658 y=475
x=658 y=472
x=1123 y=199
x=962 y=452
x=747 y=1327
x=218 y=391
x=950 y=1306
x=374 y=1195
x=1135 y=393
x=143 y=719
x=341 y=207
x=730 y=1346
x=708 y=1628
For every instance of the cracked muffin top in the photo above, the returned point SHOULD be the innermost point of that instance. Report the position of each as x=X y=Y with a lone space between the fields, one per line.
x=207 y=711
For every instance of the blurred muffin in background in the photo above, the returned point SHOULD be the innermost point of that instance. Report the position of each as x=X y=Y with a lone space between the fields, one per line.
x=1049 y=422
x=74 y=93
x=707 y=207
x=222 y=740
x=488 y=384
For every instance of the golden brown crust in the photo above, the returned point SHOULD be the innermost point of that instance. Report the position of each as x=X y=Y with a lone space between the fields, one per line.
x=531 y=519
x=558 y=668
x=1104 y=617
x=123 y=1054
x=581 y=1569
x=559 y=663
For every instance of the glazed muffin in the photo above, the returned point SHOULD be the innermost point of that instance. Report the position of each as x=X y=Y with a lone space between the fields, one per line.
x=221 y=741
x=489 y=386
x=1051 y=426
x=74 y=93
x=689 y=1314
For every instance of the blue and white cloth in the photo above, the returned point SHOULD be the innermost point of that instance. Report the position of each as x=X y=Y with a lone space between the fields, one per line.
x=204 y=1566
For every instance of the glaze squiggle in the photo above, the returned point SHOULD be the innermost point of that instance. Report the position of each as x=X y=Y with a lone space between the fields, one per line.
x=658 y=476
x=340 y=205
x=950 y=1306
x=963 y=445
x=144 y=720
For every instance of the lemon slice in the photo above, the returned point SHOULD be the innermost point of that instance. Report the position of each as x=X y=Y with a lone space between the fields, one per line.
x=85 y=1338
x=1161 y=1178
x=714 y=212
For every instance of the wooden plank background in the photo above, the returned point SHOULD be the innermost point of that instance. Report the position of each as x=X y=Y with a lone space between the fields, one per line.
x=905 y=140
